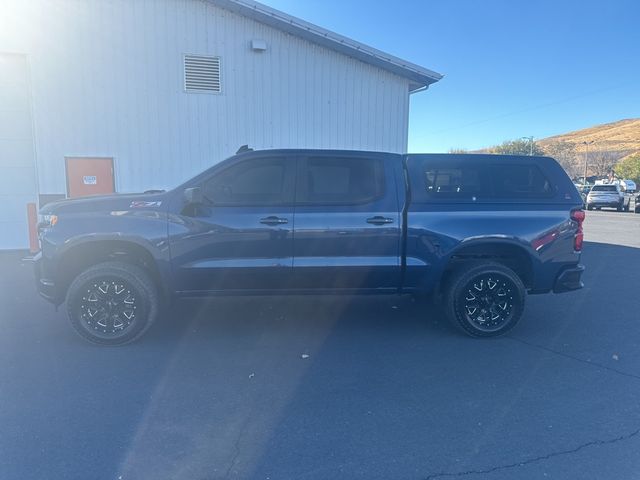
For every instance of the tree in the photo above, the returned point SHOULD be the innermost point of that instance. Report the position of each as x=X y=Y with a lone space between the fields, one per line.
x=566 y=155
x=629 y=168
x=518 y=147
x=601 y=162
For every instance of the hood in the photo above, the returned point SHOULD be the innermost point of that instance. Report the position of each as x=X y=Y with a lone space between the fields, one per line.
x=115 y=201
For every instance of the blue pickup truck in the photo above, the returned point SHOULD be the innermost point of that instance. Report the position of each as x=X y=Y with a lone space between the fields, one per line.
x=478 y=231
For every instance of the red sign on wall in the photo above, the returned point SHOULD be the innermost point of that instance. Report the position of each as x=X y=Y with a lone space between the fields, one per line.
x=89 y=176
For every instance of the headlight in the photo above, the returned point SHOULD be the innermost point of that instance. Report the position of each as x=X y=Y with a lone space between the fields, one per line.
x=46 y=221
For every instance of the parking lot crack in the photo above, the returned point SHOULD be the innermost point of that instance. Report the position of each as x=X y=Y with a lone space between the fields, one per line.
x=593 y=443
x=577 y=359
x=236 y=447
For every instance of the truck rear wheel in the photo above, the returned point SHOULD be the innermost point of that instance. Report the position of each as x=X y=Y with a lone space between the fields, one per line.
x=484 y=299
x=112 y=303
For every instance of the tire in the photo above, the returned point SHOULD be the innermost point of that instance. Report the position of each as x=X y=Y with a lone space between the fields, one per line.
x=619 y=208
x=589 y=207
x=465 y=281
x=112 y=303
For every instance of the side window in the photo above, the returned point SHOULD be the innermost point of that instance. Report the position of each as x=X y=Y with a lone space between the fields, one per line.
x=252 y=182
x=460 y=182
x=472 y=181
x=342 y=181
x=520 y=181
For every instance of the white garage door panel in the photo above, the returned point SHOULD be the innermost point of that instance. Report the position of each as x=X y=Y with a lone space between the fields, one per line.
x=16 y=153
x=17 y=180
x=13 y=97
x=16 y=210
x=15 y=124
x=17 y=166
x=13 y=69
x=13 y=221
x=13 y=236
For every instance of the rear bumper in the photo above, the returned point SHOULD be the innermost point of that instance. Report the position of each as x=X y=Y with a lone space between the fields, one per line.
x=569 y=279
x=605 y=203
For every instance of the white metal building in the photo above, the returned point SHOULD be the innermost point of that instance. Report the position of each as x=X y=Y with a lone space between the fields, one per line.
x=166 y=88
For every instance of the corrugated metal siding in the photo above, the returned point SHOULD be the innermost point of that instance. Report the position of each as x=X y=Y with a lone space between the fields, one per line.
x=109 y=81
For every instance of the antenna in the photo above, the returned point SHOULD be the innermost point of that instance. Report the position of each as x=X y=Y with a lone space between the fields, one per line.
x=244 y=148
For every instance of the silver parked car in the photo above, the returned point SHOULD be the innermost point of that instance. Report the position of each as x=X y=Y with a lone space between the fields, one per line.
x=610 y=196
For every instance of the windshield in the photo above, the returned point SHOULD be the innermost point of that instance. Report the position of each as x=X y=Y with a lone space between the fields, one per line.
x=604 y=188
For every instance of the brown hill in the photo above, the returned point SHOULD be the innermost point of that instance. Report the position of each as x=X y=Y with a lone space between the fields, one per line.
x=620 y=138
x=607 y=145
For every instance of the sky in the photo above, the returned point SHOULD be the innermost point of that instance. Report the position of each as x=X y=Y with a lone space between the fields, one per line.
x=512 y=68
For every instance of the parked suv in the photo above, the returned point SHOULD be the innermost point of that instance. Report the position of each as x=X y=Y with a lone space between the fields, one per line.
x=479 y=231
x=610 y=196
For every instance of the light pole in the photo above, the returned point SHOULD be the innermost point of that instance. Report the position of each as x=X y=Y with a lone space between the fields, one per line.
x=530 y=144
x=586 y=159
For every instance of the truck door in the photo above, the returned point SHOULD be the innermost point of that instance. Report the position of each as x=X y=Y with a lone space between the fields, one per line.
x=241 y=237
x=347 y=227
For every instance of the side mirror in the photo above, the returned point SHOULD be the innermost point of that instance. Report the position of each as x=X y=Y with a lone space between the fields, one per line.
x=193 y=195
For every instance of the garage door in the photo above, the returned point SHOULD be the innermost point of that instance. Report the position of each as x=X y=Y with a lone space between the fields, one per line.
x=17 y=160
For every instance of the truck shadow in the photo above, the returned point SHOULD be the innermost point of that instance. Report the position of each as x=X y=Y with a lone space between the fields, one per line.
x=609 y=273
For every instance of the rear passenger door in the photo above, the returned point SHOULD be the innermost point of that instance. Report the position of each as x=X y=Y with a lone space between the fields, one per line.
x=347 y=223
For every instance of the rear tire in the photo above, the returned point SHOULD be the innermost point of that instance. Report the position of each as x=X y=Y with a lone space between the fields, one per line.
x=112 y=303
x=484 y=299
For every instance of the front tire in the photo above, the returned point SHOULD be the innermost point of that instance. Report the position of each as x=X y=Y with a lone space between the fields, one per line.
x=112 y=303
x=485 y=299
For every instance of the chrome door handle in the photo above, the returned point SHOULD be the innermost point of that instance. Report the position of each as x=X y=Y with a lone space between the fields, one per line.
x=273 y=220
x=379 y=220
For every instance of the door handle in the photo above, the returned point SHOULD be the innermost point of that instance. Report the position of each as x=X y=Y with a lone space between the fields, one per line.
x=379 y=220
x=273 y=220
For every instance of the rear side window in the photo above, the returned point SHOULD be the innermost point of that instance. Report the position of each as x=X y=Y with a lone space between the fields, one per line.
x=453 y=182
x=604 y=188
x=342 y=181
x=519 y=181
x=448 y=180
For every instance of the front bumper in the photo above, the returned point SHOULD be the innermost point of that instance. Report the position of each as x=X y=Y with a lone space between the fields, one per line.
x=569 y=279
x=45 y=286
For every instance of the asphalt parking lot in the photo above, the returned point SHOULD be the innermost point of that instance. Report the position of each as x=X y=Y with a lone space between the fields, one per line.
x=332 y=387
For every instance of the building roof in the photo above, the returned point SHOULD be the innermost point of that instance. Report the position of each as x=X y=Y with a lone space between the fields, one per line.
x=420 y=77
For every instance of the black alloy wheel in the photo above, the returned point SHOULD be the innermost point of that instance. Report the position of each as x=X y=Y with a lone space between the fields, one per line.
x=110 y=306
x=489 y=301
x=112 y=303
x=485 y=299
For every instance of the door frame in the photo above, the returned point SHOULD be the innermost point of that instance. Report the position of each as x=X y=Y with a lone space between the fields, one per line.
x=88 y=157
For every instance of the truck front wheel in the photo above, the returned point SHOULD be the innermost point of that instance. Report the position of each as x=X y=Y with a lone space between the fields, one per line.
x=112 y=303
x=484 y=299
